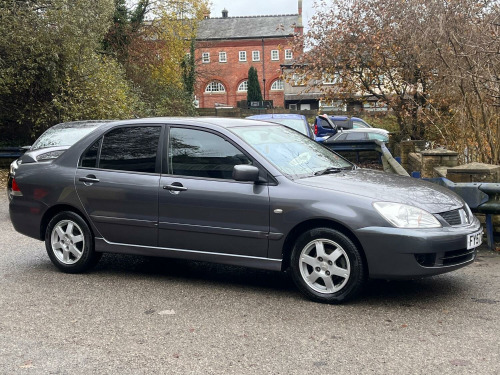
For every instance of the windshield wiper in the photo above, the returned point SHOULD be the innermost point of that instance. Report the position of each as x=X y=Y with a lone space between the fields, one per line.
x=328 y=171
x=334 y=170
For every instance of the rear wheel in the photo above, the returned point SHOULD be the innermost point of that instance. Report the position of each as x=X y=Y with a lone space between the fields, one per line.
x=327 y=266
x=69 y=243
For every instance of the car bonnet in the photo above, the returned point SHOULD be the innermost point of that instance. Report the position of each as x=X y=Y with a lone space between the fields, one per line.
x=386 y=187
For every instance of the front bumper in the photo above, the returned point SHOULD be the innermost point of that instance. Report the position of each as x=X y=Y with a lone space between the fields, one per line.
x=396 y=253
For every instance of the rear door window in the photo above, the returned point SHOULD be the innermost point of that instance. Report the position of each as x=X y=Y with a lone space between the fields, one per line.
x=341 y=137
x=356 y=136
x=132 y=149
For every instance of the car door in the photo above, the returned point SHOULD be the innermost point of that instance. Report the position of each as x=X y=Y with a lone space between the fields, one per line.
x=201 y=207
x=117 y=181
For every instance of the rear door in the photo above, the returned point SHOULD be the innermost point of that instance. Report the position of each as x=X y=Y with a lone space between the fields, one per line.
x=117 y=182
x=201 y=207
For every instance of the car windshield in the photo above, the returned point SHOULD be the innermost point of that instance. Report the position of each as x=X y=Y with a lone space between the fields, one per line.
x=64 y=134
x=293 y=154
x=296 y=124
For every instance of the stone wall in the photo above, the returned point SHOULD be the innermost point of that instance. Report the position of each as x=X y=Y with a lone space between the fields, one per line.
x=437 y=158
x=474 y=172
x=413 y=162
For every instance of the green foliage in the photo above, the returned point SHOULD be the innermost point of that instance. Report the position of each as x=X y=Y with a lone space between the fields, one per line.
x=64 y=60
x=188 y=70
x=49 y=69
x=388 y=122
x=253 y=94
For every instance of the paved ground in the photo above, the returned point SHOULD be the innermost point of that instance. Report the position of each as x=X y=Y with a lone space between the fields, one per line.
x=142 y=315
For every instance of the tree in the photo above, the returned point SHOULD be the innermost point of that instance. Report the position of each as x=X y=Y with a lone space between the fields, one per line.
x=434 y=63
x=50 y=71
x=158 y=62
x=370 y=49
x=253 y=94
x=189 y=70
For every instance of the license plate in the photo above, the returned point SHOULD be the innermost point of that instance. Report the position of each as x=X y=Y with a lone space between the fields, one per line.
x=474 y=239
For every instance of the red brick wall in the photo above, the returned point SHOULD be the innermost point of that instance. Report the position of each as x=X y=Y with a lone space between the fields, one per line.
x=233 y=72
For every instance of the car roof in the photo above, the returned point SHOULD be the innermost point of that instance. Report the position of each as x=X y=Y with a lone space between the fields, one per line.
x=366 y=130
x=345 y=118
x=276 y=115
x=80 y=124
x=224 y=122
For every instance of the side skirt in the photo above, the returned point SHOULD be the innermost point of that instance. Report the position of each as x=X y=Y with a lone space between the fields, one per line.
x=101 y=245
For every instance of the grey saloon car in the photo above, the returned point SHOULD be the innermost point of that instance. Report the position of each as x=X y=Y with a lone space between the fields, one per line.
x=239 y=192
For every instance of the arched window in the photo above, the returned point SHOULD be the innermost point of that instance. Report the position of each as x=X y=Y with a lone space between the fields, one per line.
x=243 y=86
x=215 y=86
x=277 y=85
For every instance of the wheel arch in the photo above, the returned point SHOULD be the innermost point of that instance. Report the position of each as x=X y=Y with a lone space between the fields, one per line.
x=54 y=210
x=317 y=223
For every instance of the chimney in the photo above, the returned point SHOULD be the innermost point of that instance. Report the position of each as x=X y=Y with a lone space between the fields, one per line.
x=206 y=15
x=224 y=13
x=300 y=7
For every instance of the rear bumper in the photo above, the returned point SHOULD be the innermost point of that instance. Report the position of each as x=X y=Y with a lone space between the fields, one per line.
x=26 y=216
x=395 y=253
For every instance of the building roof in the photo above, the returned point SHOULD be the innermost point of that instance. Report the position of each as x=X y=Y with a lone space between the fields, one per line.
x=248 y=27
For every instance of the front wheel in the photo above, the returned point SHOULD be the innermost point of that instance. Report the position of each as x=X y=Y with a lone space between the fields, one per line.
x=69 y=243
x=327 y=266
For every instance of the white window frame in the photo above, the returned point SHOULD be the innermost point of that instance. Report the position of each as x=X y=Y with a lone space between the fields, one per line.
x=255 y=55
x=275 y=55
x=215 y=86
x=298 y=80
x=243 y=86
x=288 y=54
x=222 y=57
x=242 y=55
x=205 y=57
x=278 y=85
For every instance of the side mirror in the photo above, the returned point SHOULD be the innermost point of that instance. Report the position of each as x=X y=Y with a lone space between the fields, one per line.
x=244 y=172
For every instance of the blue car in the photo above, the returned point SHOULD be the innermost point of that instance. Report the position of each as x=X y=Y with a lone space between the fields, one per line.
x=294 y=121
x=326 y=126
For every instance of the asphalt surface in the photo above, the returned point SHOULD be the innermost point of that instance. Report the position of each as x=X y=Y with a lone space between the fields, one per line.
x=140 y=315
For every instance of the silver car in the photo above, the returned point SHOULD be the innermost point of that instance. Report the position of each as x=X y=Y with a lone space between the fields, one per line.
x=239 y=192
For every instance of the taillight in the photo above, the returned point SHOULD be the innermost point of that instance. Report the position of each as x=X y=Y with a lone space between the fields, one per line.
x=15 y=189
x=315 y=129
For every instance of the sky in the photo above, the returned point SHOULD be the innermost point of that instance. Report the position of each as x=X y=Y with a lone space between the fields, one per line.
x=262 y=7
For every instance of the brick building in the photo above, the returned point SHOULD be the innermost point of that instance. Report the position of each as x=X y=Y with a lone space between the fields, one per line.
x=227 y=47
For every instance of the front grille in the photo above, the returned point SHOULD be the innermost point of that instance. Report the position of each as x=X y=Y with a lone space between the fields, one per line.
x=451 y=258
x=455 y=217
x=445 y=259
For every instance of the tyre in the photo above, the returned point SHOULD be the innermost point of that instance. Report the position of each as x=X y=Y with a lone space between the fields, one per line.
x=327 y=266
x=70 y=244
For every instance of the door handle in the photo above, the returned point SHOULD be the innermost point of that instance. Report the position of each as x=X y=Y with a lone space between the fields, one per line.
x=89 y=179
x=175 y=187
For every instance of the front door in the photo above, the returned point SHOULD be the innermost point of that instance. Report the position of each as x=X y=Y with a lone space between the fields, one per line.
x=201 y=207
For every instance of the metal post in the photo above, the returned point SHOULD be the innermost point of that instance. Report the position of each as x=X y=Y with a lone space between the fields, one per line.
x=489 y=232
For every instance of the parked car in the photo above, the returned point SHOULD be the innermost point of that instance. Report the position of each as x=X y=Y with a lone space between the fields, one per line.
x=346 y=122
x=360 y=134
x=239 y=192
x=325 y=126
x=294 y=121
x=52 y=144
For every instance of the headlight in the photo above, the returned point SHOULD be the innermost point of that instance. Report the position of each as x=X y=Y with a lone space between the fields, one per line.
x=404 y=216
x=13 y=166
